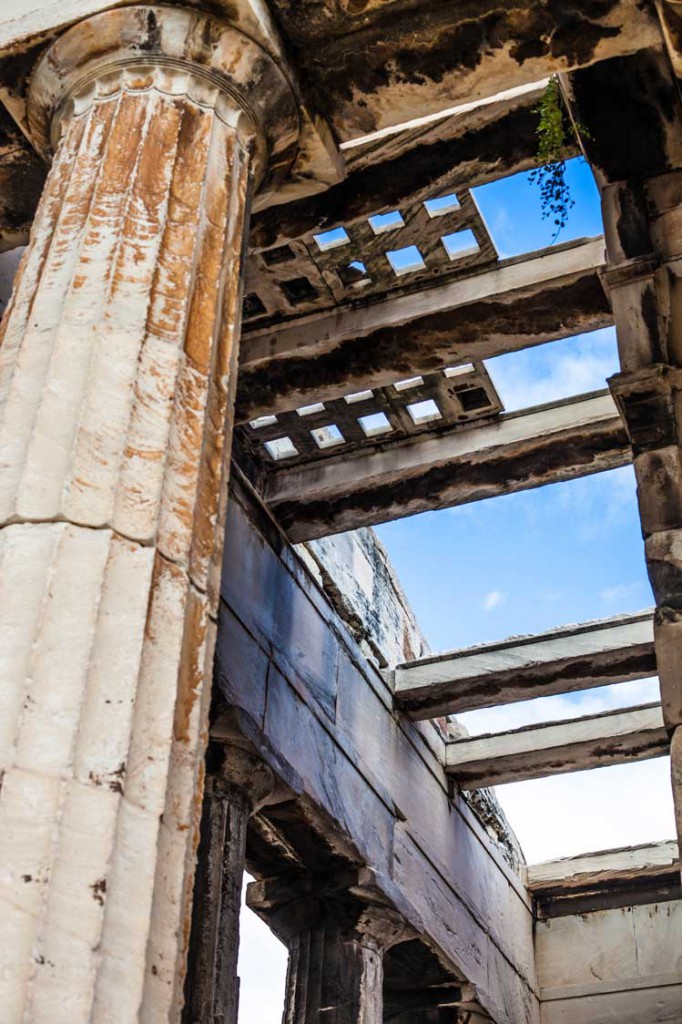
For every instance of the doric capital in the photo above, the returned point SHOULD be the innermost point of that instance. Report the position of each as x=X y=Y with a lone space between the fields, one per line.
x=178 y=52
x=649 y=401
x=240 y=770
x=294 y=903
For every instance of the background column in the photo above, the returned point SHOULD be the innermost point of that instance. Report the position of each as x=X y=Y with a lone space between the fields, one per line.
x=237 y=786
x=336 y=947
x=633 y=114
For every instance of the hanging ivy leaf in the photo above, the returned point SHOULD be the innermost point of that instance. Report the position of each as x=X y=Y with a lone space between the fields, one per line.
x=556 y=140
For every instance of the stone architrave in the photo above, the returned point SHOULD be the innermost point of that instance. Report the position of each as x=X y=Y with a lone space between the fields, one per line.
x=117 y=375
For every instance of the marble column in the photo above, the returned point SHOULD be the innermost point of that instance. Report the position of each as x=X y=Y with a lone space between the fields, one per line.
x=237 y=786
x=336 y=947
x=118 y=364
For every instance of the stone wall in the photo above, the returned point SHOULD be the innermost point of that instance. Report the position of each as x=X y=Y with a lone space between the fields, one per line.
x=360 y=581
x=371 y=783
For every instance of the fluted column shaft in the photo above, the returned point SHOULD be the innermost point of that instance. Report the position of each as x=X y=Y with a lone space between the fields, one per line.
x=335 y=976
x=118 y=365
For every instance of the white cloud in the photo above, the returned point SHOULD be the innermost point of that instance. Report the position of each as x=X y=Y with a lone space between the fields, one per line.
x=493 y=600
x=594 y=810
x=561 y=369
x=582 y=811
x=617 y=593
x=561 y=706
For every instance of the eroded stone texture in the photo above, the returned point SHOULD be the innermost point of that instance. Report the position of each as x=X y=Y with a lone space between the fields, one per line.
x=237 y=785
x=638 y=162
x=336 y=946
x=118 y=364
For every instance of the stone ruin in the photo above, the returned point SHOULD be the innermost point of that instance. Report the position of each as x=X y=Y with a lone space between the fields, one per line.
x=252 y=315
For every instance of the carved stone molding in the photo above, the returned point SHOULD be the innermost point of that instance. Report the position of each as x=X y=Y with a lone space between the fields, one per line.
x=177 y=52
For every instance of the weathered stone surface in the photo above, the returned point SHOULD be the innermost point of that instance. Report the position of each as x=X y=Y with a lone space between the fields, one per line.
x=336 y=941
x=606 y=880
x=378 y=783
x=373 y=64
x=360 y=581
x=676 y=772
x=621 y=964
x=22 y=176
x=520 y=302
x=616 y=867
x=542 y=445
x=236 y=787
x=559 y=661
x=118 y=359
x=534 y=751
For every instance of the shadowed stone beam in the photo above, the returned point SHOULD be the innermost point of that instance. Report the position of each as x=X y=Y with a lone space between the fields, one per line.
x=637 y=159
x=118 y=369
x=537 y=446
x=336 y=942
x=522 y=301
x=237 y=786
x=553 y=748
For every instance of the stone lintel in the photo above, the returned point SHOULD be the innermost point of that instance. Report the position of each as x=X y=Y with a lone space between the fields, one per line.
x=558 y=661
x=546 y=444
x=536 y=751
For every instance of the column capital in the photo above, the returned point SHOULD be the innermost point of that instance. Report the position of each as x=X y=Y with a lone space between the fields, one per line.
x=294 y=903
x=648 y=400
x=178 y=52
x=240 y=769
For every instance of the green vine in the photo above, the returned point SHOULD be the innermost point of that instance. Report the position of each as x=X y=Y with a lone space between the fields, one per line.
x=557 y=136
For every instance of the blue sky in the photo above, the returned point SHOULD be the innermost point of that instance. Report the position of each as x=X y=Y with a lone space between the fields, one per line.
x=512 y=211
x=536 y=559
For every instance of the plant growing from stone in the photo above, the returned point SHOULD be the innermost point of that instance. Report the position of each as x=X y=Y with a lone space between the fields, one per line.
x=557 y=136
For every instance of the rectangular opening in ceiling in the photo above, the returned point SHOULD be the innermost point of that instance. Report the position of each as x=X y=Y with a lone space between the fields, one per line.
x=523 y=563
x=559 y=369
x=564 y=815
x=513 y=212
x=560 y=707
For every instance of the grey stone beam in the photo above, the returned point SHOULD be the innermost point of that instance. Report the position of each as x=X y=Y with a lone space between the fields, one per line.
x=546 y=444
x=561 y=660
x=392 y=62
x=528 y=300
x=535 y=751
x=462 y=150
x=623 y=865
x=606 y=880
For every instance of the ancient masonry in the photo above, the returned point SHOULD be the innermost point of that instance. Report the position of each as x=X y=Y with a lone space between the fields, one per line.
x=251 y=313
